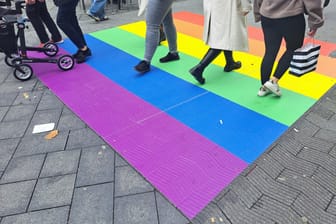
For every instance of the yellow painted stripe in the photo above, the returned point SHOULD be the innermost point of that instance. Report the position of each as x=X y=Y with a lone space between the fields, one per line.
x=313 y=85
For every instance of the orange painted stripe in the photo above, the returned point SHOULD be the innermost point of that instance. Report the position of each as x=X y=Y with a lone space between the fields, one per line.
x=254 y=32
x=256 y=47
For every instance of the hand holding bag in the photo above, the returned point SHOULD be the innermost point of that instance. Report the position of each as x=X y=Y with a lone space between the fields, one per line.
x=305 y=59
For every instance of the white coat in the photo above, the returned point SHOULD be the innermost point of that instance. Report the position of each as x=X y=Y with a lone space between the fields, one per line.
x=225 y=25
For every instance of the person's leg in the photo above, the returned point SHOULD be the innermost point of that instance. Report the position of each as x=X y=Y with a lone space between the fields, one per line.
x=33 y=13
x=68 y=22
x=98 y=8
x=156 y=12
x=272 y=41
x=294 y=38
x=230 y=63
x=49 y=22
x=171 y=35
x=197 y=71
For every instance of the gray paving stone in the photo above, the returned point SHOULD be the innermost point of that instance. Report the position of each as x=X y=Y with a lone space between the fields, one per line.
x=307 y=186
x=6 y=99
x=276 y=211
x=23 y=168
x=307 y=208
x=168 y=214
x=67 y=111
x=92 y=204
x=332 y=206
x=44 y=117
x=82 y=138
x=247 y=192
x=20 y=112
x=36 y=144
x=304 y=127
x=317 y=144
x=325 y=179
x=13 y=129
x=7 y=148
x=290 y=143
x=48 y=216
x=270 y=187
x=288 y=160
x=211 y=214
x=333 y=152
x=270 y=165
x=14 y=198
x=52 y=192
x=120 y=161
x=316 y=119
x=15 y=86
x=61 y=163
x=327 y=135
x=320 y=158
x=30 y=97
x=330 y=104
x=49 y=102
x=3 y=111
x=128 y=181
x=237 y=213
x=96 y=166
x=136 y=209
x=70 y=122
x=5 y=72
x=321 y=122
x=321 y=111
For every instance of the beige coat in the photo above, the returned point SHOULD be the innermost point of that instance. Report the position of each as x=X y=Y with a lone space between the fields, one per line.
x=225 y=25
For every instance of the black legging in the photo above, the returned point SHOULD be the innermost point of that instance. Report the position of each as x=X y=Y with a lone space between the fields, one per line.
x=292 y=29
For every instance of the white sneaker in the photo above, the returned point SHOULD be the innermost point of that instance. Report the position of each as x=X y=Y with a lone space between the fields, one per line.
x=263 y=91
x=273 y=87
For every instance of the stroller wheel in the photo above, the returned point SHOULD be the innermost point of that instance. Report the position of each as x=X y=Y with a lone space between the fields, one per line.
x=10 y=60
x=51 y=49
x=66 y=62
x=23 y=72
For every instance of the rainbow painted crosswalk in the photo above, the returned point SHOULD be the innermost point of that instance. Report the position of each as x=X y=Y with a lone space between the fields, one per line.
x=189 y=141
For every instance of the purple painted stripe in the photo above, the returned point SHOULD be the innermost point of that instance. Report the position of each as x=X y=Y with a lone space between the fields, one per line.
x=187 y=168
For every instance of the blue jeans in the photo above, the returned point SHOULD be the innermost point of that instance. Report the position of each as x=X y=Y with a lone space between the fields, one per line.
x=97 y=8
x=159 y=12
x=68 y=22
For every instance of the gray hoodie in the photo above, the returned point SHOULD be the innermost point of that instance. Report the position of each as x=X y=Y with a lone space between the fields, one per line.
x=276 y=9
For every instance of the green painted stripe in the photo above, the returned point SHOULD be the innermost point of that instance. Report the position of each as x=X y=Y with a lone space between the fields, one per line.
x=233 y=86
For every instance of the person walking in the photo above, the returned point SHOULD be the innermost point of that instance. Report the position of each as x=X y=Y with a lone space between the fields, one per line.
x=158 y=12
x=225 y=29
x=38 y=14
x=283 y=19
x=97 y=10
x=68 y=22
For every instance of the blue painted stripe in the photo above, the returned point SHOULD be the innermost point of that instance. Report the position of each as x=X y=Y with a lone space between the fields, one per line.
x=239 y=130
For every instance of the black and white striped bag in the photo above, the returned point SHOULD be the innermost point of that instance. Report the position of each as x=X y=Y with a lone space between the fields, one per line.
x=304 y=59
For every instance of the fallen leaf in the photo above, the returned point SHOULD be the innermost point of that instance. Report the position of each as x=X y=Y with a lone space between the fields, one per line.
x=51 y=135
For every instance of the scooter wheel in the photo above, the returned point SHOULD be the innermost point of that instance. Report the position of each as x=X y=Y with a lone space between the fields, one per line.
x=10 y=60
x=66 y=62
x=51 y=49
x=23 y=72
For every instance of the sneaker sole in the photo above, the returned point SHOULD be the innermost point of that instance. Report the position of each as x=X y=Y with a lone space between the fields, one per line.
x=93 y=17
x=278 y=93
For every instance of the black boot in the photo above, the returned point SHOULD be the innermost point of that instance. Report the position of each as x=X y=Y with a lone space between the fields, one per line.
x=197 y=71
x=230 y=63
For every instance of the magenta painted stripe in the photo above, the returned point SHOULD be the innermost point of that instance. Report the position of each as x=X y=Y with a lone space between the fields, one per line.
x=187 y=168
